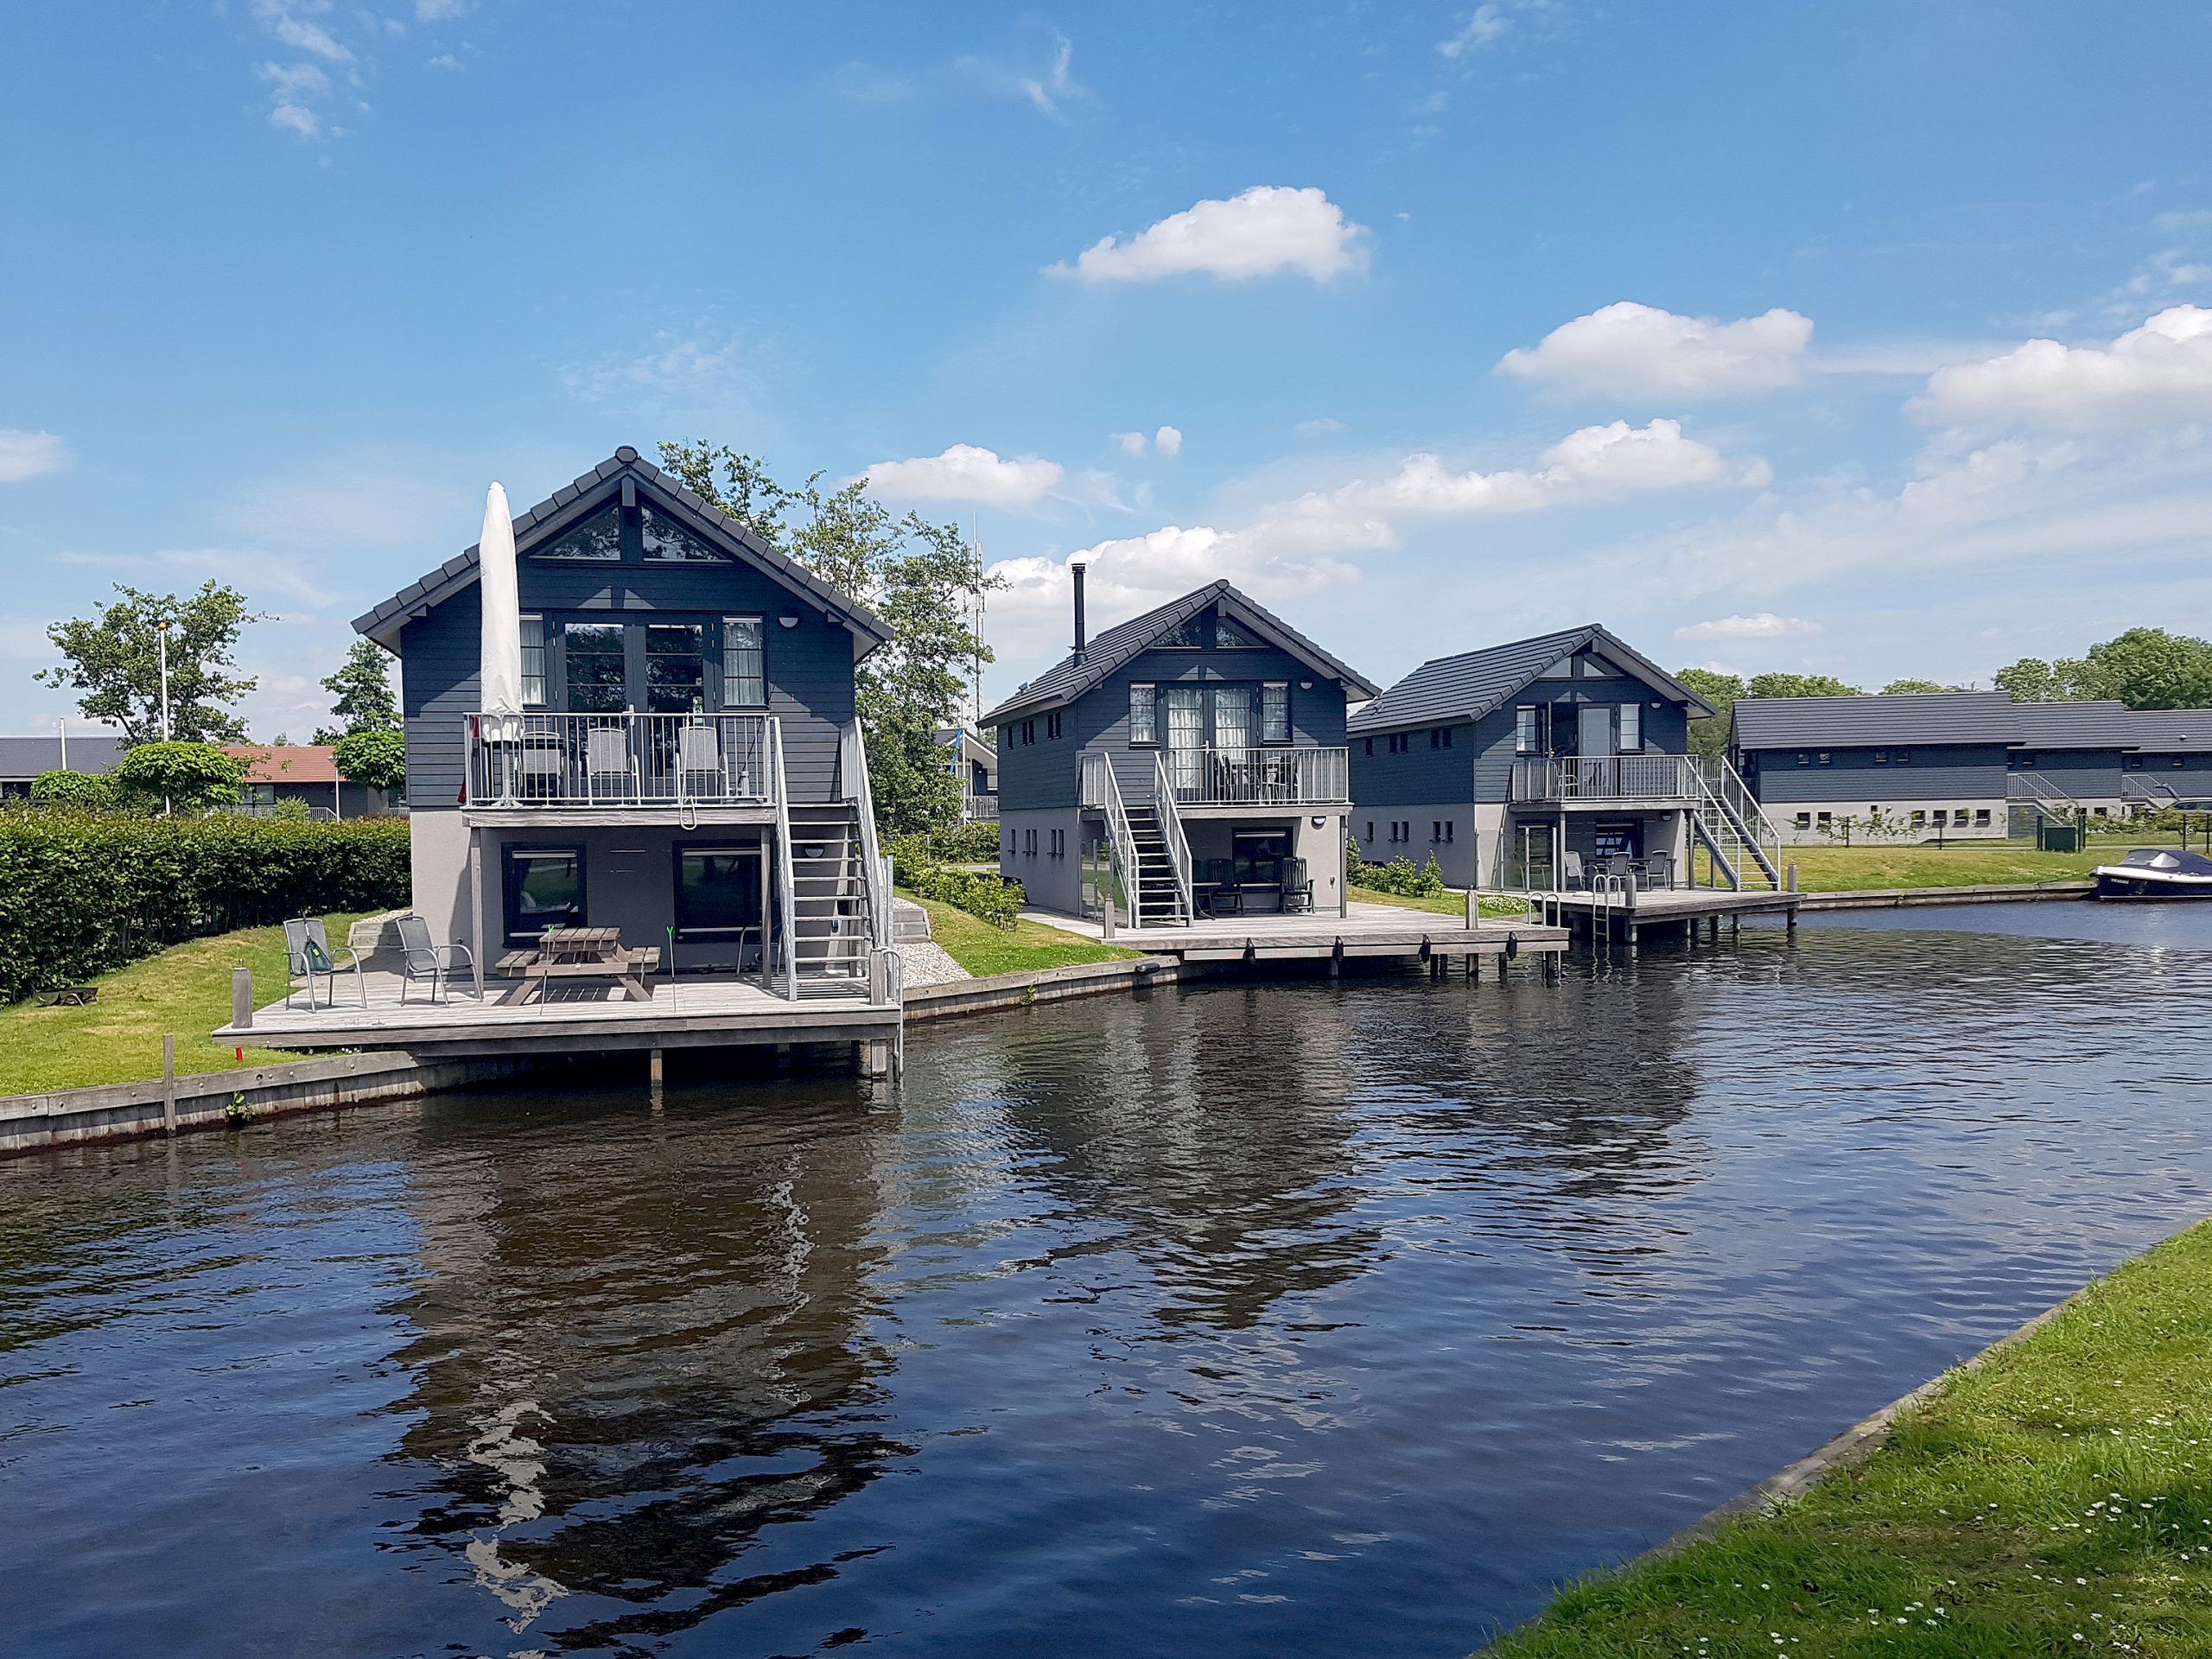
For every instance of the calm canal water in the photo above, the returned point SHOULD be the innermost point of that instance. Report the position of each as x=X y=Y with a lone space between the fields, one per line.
x=1250 y=1320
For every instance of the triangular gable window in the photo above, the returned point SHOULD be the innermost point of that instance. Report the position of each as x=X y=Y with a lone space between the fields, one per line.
x=1233 y=636
x=1562 y=669
x=667 y=542
x=599 y=536
x=1190 y=634
x=1597 y=668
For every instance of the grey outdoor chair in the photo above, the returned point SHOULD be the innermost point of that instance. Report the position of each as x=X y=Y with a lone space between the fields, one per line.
x=1572 y=876
x=421 y=960
x=1659 y=870
x=308 y=956
x=1297 y=887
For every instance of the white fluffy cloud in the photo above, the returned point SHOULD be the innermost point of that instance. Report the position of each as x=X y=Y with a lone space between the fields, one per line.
x=1168 y=440
x=26 y=454
x=1269 y=228
x=965 y=473
x=1481 y=29
x=1765 y=626
x=1638 y=351
x=2159 y=372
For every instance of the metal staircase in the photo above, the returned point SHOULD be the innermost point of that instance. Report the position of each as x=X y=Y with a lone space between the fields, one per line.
x=2031 y=799
x=1159 y=896
x=1733 y=828
x=834 y=888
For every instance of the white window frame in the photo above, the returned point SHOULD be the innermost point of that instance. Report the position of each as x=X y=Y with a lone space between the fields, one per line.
x=735 y=683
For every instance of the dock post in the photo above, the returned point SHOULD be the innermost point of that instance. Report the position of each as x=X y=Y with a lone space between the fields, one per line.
x=242 y=996
x=1789 y=918
x=168 y=1081
x=1735 y=927
x=653 y=1076
x=1337 y=961
x=877 y=1055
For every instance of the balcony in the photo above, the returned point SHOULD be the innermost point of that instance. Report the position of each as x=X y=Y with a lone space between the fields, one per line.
x=672 y=763
x=1672 y=779
x=1272 y=777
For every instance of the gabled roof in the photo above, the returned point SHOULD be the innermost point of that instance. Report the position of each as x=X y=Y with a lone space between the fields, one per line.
x=577 y=500
x=1113 y=648
x=2171 y=729
x=1447 y=690
x=2105 y=724
x=1845 y=723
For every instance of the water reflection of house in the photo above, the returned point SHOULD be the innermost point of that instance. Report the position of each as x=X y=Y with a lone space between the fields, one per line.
x=634 y=1351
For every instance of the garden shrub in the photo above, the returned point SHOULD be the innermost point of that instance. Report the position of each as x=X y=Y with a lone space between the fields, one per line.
x=1400 y=875
x=84 y=893
x=996 y=901
x=87 y=791
x=964 y=843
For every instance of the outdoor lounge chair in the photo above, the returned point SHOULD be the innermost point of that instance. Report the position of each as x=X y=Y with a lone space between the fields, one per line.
x=1297 y=887
x=308 y=954
x=422 y=960
x=1571 y=873
x=1659 y=870
x=699 y=764
x=607 y=754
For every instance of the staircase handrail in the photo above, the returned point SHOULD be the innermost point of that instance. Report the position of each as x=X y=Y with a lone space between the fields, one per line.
x=2155 y=790
x=1171 y=830
x=1724 y=786
x=786 y=892
x=852 y=765
x=1106 y=795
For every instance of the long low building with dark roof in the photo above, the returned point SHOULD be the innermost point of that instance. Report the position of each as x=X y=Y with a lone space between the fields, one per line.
x=1963 y=764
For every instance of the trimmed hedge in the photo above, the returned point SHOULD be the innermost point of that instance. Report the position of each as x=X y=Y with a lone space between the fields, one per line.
x=997 y=901
x=84 y=893
x=1400 y=875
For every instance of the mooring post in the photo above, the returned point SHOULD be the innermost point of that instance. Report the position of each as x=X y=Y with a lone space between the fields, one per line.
x=878 y=1053
x=168 y=1080
x=653 y=1073
x=242 y=997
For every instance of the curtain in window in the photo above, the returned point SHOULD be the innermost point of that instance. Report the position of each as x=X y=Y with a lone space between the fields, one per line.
x=533 y=662
x=1232 y=716
x=1631 y=727
x=744 y=678
x=1144 y=720
x=1187 y=717
x=1275 y=712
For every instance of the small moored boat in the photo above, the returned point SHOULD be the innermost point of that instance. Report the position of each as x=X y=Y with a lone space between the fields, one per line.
x=2156 y=872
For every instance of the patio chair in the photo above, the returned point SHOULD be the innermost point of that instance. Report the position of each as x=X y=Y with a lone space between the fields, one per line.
x=699 y=764
x=308 y=954
x=541 y=767
x=421 y=960
x=607 y=754
x=1297 y=887
x=1572 y=874
x=1659 y=870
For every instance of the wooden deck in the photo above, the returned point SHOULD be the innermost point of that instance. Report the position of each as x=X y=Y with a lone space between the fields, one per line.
x=1368 y=931
x=709 y=1011
x=1625 y=917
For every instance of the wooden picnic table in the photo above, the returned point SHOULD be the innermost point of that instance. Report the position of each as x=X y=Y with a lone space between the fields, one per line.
x=579 y=953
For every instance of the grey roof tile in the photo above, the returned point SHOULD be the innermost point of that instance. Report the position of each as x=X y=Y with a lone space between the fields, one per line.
x=24 y=757
x=1847 y=723
x=1111 y=648
x=1469 y=685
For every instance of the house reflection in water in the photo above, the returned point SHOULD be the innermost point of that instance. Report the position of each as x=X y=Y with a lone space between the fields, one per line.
x=634 y=1356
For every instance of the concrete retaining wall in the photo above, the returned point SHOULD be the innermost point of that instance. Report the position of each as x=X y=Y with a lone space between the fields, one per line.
x=1046 y=985
x=114 y=1112
x=1905 y=898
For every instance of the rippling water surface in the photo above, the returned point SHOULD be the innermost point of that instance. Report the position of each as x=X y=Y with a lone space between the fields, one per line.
x=1250 y=1320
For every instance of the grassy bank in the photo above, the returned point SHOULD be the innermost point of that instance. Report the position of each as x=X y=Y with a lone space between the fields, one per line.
x=2056 y=1499
x=983 y=950
x=1837 y=869
x=1449 y=904
x=185 y=990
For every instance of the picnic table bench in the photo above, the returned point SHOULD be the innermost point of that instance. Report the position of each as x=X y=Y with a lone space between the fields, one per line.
x=579 y=953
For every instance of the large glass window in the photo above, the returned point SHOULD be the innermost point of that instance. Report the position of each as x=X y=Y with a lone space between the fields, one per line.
x=599 y=536
x=533 y=662
x=1144 y=725
x=1259 y=855
x=1526 y=738
x=676 y=668
x=543 y=887
x=745 y=681
x=717 y=891
x=1187 y=735
x=1275 y=712
x=668 y=542
x=592 y=652
x=1232 y=716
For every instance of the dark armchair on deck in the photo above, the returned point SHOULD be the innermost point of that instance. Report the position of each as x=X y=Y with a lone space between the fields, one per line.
x=422 y=960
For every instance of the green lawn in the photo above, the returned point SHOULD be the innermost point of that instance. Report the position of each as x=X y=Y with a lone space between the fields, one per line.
x=1449 y=904
x=1833 y=869
x=983 y=950
x=2057 y=1499
x=186 y=990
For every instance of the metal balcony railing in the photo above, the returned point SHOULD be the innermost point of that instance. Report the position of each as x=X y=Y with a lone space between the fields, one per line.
x=1270 y=776
x=1609 y=778
x=596 y=760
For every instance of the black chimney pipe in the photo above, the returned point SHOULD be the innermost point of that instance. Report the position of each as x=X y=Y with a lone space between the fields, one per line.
x=1077 y=569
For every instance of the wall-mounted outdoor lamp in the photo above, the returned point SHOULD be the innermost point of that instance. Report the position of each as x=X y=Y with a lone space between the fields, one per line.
x=788 y=620
x=1306 y=685
x=1320 y=823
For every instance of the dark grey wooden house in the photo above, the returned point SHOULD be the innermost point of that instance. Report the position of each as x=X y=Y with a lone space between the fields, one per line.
x=1187 y=762
x=686 y=767
x=1544 y=762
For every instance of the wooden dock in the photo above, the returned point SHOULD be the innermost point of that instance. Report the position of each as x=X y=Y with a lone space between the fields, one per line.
x=1367 y=932
x=1628 y=917
x=708 y=1011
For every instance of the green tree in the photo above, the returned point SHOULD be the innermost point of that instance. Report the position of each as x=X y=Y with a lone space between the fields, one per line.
x=1908 y=688
x=114 y=661
x=1799 y=685
x=919 y=577
x=361 y=689
x=84 y=789
x=1710 y=738
x=179 y=774
x=2149 y=668
x=375 y=759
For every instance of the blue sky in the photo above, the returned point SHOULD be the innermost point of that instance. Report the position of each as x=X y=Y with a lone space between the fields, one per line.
x=1863 y=340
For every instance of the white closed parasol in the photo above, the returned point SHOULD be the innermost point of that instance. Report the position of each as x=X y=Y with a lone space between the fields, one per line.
x=499 y=691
